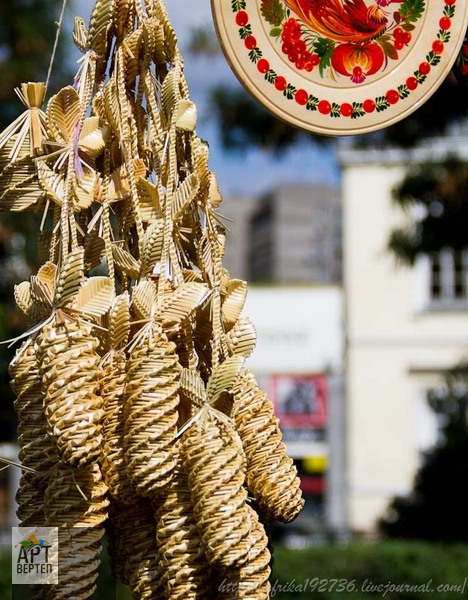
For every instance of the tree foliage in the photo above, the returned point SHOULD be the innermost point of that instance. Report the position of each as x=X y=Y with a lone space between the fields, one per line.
x=440 y=192
x=436 y=509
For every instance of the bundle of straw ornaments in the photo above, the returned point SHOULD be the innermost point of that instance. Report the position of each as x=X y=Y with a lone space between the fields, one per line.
x=135 y=411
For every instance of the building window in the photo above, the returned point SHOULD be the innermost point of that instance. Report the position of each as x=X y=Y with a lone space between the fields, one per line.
x=448 y=277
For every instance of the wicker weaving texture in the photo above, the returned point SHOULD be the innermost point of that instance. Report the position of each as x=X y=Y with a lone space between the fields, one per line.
x=36 y=450
x=151 y=400
x=113 y=465
x=212 y=456
x=76 y=503
x=137 y=559
x=185 y=570
x=251 y=581
x=69 y=370
x=271 y=476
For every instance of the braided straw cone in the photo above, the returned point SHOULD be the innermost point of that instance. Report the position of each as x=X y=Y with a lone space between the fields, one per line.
x=36 y=450
x=69 y=369
x=113 y=466
x=271 y=475
x=251 y=581
x=134 y=553
x=76 y=503
x=185 y=570
x=213 y=458
x=151 y=401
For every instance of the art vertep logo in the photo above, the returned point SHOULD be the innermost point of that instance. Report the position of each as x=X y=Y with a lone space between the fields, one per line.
x=34 y=555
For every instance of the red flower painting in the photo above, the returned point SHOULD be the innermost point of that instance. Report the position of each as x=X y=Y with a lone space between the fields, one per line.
x=349 y=38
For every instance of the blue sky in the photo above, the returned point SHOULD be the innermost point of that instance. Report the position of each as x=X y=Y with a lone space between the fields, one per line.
x=249 y=173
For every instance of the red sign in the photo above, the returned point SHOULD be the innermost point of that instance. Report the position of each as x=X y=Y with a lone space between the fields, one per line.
x=301 y=401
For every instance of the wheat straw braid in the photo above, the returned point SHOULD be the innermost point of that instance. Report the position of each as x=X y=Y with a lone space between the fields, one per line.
x=251 y=581
x=271 y=475
x=113 y=466
x=213 y=459
x=76 y=503
x=151 y=401
x=185 y=570
x=36 y=450
x=69 y=369
x=136 y=552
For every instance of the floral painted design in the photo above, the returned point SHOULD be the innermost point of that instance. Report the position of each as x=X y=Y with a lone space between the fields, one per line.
x=349 y=38
x=351 y=57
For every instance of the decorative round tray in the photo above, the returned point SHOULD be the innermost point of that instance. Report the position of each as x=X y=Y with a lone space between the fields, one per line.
x=341 y=67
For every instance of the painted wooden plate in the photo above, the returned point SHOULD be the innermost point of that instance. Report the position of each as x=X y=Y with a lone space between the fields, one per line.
x=341 y=67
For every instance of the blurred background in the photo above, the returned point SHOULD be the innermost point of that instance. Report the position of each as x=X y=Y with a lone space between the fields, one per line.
x=356 y=256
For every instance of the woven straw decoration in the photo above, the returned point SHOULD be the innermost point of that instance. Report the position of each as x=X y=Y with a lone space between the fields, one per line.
x=151 y=399
x=251 y=581
x=76 y=502
x=113 y=364
x=271 y=476
x=36 y=449
x=185 y=570
x=134 y=552
x=69 y=370
x=212 y=456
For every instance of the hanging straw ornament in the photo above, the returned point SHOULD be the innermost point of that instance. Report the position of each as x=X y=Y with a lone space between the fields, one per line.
x=271 y=476
x=36 y=450
x=134 y=554
x=151 y=399
x=184 y=567
x=250 y=581
x=113 y=364
x=69 y=363
x=212 y=456
x=76 y=503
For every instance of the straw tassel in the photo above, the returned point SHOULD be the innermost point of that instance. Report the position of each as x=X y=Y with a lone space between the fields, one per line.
x=151 y=401
x=185 y=570
x=212 y=456
x=271 y=475
x=76 y=503
x=69 y=370
x=251 y=581
x=113 y=465
x=36 y=450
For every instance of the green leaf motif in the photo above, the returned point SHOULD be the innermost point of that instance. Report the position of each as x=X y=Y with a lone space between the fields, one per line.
x=289 y=91
x=272 y=11
x=324 y=48
x=403 y=91
x=312 y=103
x=387 y=46
x=275 y=31
x=412 y=10
x=335 y=110
x=238 y=5
x=358 y=110
x=255 y=55
x=245 y=31
x=270 y=76
x=381 y=103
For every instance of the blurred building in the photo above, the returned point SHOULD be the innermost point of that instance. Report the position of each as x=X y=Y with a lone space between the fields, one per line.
x=404 y=328
x=290 y=235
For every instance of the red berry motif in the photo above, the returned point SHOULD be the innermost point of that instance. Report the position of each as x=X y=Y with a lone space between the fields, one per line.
x=242 y=18
x=324 y=107
x=301 y=97
x=438 y=46
x=250 y=42
x=263 y=65
x=280 y=83
x=369 y=105
x=445 y=23
x=295 y=47
x=424 y=68
x=411 y=83
x=346 y=109
x=392 y=96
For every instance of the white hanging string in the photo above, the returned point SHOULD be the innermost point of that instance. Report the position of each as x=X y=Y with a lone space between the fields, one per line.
x=57 y=36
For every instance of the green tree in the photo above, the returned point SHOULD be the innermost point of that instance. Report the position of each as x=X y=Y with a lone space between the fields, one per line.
x=436 y=509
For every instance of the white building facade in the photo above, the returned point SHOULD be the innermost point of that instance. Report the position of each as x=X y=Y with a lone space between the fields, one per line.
x=400 y=334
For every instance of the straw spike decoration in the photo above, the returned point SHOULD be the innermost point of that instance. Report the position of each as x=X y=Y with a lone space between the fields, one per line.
x=136 y=338
x=271 y=476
